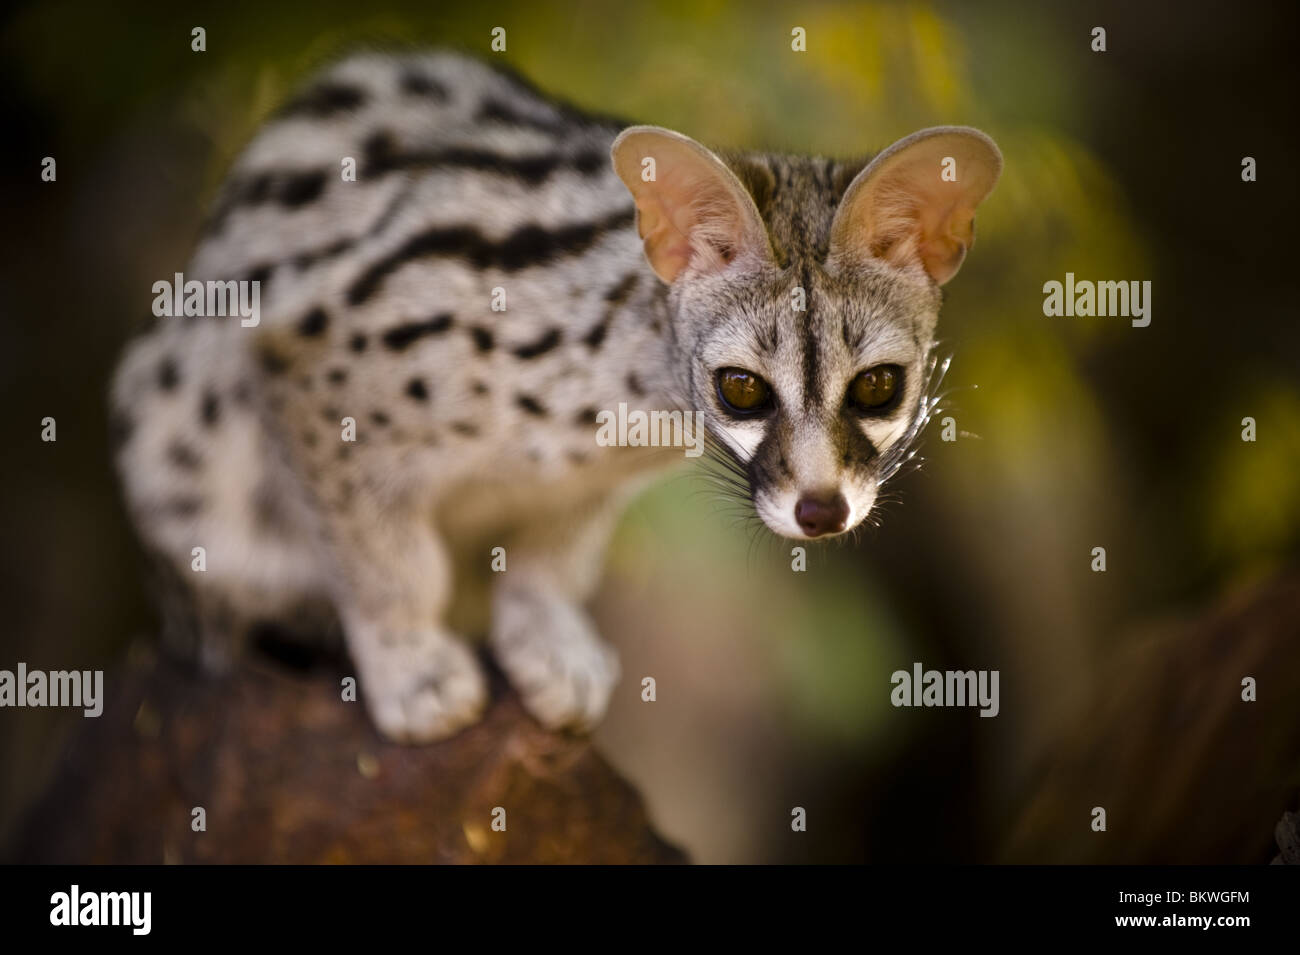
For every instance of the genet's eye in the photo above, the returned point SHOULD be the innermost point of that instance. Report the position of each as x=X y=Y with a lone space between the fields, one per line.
x=875 y=388
x=743 y=391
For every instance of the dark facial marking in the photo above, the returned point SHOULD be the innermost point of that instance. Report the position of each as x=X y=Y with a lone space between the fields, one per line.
x=811 y=356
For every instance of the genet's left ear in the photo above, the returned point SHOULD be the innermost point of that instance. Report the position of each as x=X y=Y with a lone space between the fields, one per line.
x=914 y=204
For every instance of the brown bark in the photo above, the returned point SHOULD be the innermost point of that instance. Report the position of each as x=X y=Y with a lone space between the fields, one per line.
x=289 y=773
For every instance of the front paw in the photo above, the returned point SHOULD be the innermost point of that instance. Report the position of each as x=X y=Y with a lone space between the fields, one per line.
x=423 y=687
x=562 y=669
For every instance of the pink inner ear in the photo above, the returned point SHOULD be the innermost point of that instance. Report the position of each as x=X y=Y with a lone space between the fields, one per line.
x=666 y=246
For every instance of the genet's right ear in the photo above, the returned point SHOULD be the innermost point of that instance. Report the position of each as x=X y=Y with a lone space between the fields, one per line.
x=693 y=214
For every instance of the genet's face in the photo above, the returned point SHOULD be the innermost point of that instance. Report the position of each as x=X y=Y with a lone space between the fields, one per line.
x=815 y=405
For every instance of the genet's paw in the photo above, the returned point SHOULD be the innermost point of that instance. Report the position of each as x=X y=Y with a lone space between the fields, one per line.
x=422 y=687
x=562 y=669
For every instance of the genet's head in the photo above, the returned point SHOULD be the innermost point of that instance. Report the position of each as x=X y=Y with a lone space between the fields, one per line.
x=804 y=294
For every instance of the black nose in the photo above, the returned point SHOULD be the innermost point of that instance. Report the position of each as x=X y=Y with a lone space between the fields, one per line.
x=818 y=515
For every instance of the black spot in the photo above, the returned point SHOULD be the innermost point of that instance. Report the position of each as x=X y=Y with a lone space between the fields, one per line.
x=418 y=84
x=273 y=363
x=260 y=274
x=313 y=323
x=634 y=385
x=301 y=188
x=539 y=347
x=531 y=405
x=483 y=339
x=210 y=409
x=358 y=342
x=337 y=376
x=325 y=99
x=402 y=336
x=529 y=245
x=330 y=414
x=183 y=456
x=585 y=417
x=479 y=388
x=168 y=376
x=417 y=390
x=466 y=428
x=379 y=418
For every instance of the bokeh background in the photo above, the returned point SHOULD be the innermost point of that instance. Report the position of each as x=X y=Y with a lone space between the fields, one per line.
x=773 y=686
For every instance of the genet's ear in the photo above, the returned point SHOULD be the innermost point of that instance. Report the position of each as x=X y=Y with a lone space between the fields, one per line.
x=692 y=211
x=914 y=204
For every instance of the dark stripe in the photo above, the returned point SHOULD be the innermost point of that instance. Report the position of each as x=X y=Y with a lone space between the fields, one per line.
x=527 y=246
x=539 y=347
x=811 y=358
x=301 y=188
x=381 y=157
x=493 y=110
x=418 y=84
x=614 y=298
x=402 y=336
x=325 y=99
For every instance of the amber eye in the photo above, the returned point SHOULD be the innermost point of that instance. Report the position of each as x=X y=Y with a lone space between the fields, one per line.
x=743 y=391
x=875 y=388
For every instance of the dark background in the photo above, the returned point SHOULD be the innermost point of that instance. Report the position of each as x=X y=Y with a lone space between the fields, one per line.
x=1123 y=165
